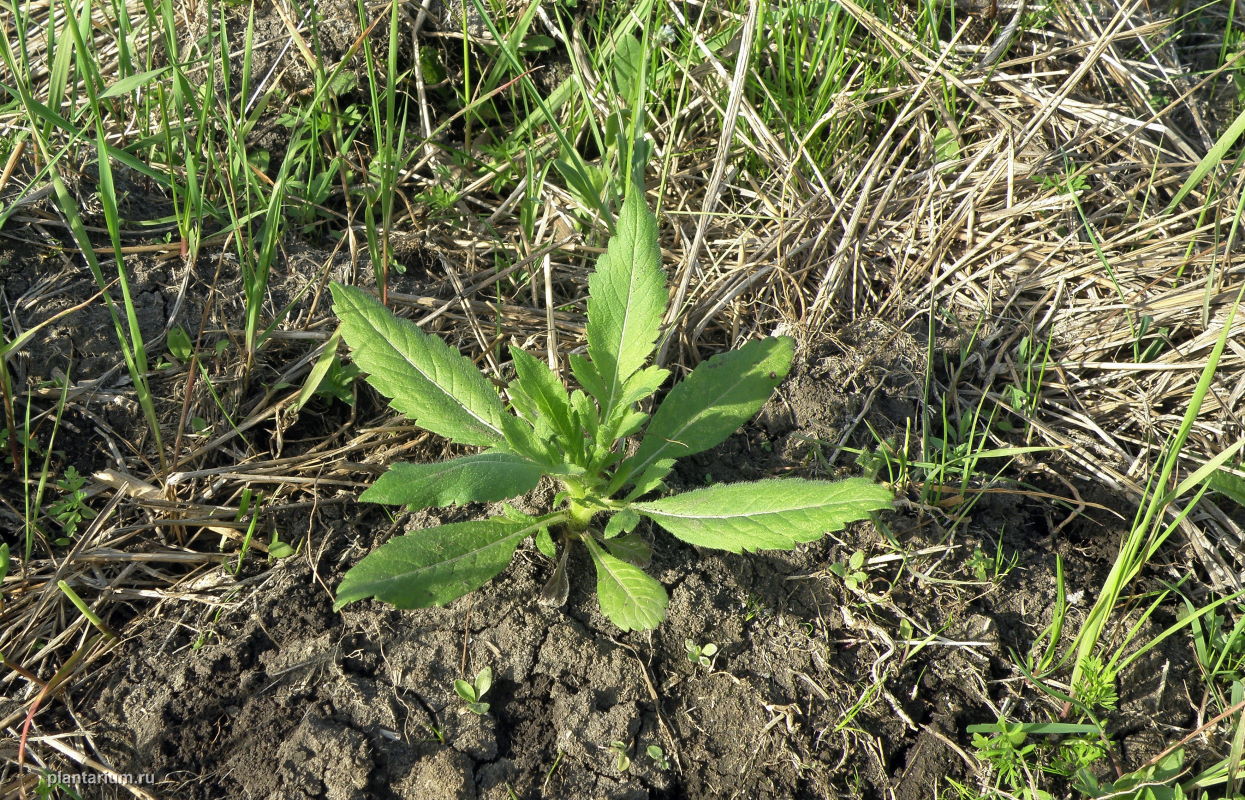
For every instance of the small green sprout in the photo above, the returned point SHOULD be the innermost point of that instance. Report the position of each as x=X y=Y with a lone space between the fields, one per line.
x=71 y=510
x=704 y=655
x=474 y=691
x=852 y=573
x=658 y=755
x=622 y=761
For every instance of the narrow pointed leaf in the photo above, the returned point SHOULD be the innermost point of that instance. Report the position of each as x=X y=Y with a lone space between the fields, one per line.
x=480 y=478
x=631 y=599
x=586 y=374
x=434 y=566
x=626 y=299
x=709 y=405
x=771 y=514
x=539 y=386
x=436 y=386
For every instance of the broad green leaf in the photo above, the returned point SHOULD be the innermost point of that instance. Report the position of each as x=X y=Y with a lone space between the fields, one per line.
x=626 y=299
x=434 y=566
x=480 y=478
x=773 y=514
x=483 y=681
x=631 y=599
x=711 y=403
x=643 y=384
x=4 y=560
x=623 y=521
x=437 y=387
x=631 y=548
x=537 y=384
x=465 y=690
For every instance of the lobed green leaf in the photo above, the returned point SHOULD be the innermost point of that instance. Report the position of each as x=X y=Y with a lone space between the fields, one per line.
x=480 y=478
x=710 y=404
x=626 y=299
x=433 y=384
x=774 y=514
x=631 y=598
x=436 y=565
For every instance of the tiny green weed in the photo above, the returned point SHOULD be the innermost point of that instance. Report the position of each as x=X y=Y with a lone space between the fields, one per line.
x=704 y=655
x=474 y=692
x=71 y=510
x=852 y=571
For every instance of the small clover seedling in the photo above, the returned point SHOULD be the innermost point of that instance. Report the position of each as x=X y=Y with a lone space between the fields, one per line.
x=580 y=438
x=474 y=691
x=658 y=755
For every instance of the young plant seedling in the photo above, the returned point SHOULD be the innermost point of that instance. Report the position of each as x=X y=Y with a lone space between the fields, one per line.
x=704 y=655
x=622 y=761
x=579 y=438
x=474 y=691
x=852 y=572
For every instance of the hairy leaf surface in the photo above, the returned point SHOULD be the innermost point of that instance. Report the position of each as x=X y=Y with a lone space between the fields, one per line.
x=774 y=514
x=434 y=566
x=483 y=478
x=433 y=384
x=631 y=599
x=626 y=299
x=712 y=402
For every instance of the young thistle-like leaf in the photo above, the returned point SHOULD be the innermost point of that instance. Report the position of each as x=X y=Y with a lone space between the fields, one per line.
x=480 y=478
x=773 y=514
x=711 y=403
x=626 y=299
x=434 y=566
x=437 y=387
x=539 y=395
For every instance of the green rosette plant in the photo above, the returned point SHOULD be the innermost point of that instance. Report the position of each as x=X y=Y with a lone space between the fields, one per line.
x=580 y=439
